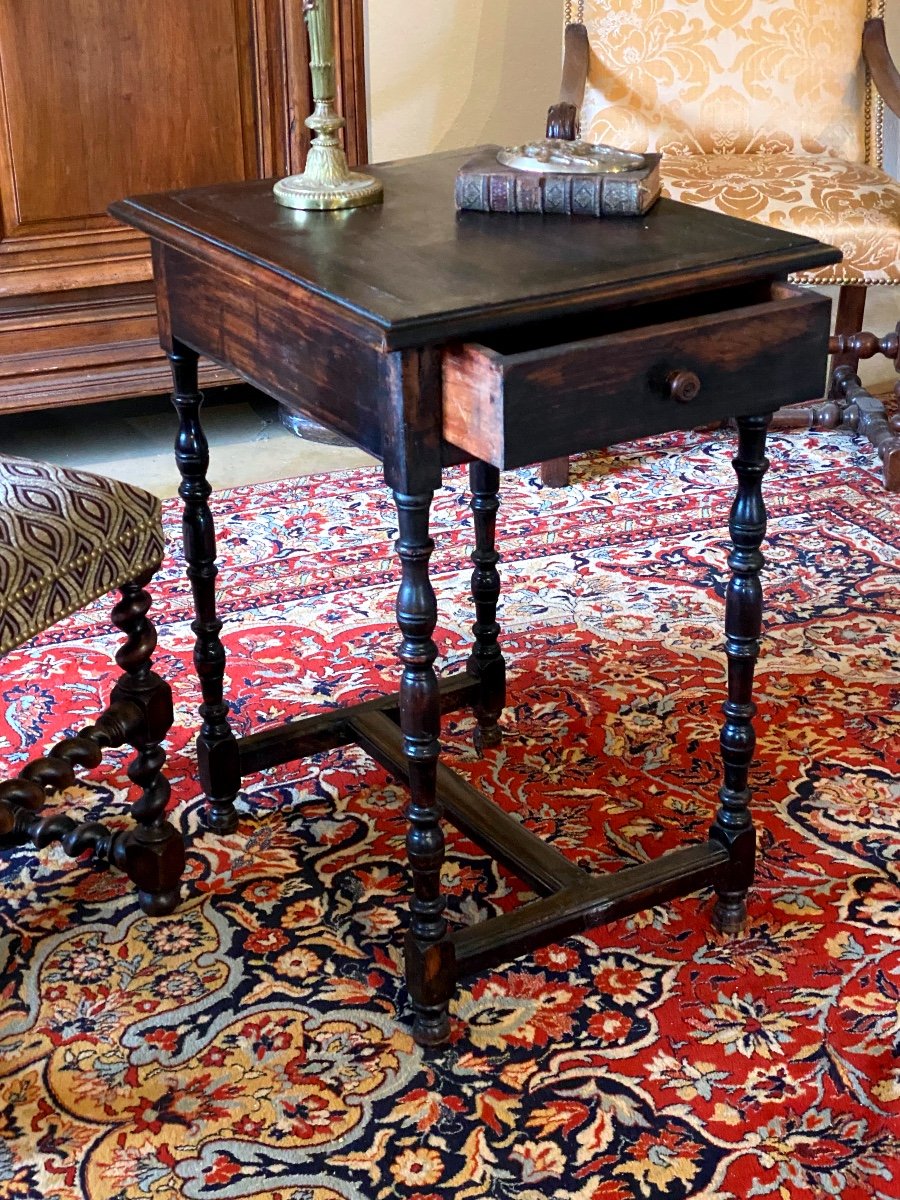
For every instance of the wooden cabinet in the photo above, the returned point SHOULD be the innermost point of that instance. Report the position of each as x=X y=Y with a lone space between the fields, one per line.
x=107 y=98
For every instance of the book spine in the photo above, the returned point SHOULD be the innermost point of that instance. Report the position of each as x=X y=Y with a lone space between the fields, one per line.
x=529 y=194
x=587 y=196
x=473 y=193
x=502 y=193
x=631 y=195
x=557 y=192
x=572 y=195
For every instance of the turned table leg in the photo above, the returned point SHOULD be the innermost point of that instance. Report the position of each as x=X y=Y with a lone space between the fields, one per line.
x=430 y=968
x=733 y=826
x=486 y=663
x=217 y=750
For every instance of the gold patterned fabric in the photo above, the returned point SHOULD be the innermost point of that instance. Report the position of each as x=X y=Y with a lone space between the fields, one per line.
x=67 y=537
x=732 y=77
x=850 y=205
x=762 y=109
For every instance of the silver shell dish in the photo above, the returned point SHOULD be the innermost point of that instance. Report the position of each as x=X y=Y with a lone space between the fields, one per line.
x=570 y=158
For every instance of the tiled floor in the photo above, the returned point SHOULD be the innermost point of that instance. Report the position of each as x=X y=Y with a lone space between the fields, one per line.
x=132 y=439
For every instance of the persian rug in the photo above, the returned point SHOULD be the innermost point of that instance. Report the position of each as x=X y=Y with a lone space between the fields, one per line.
x=256 y=1043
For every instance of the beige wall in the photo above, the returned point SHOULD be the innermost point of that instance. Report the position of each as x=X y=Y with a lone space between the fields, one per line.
x=451 y=73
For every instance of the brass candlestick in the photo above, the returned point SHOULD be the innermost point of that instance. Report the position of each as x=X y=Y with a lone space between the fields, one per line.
x=327 y=183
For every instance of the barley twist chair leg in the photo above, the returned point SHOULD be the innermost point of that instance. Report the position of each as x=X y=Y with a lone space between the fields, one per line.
x=152 y=854
x=140 y=715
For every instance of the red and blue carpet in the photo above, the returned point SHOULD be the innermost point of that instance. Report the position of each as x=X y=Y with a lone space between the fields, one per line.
x=256 y=1044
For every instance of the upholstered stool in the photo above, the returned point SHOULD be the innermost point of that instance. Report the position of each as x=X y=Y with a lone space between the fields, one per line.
x=66 y=538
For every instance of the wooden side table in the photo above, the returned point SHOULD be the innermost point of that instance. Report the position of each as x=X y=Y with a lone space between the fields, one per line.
x=431 y=338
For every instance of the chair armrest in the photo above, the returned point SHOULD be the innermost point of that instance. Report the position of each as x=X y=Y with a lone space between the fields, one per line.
x=881 y=65
x=563 y=118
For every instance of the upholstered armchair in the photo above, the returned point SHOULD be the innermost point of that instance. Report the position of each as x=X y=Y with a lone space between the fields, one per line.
x=769 y=110
x=67 y=538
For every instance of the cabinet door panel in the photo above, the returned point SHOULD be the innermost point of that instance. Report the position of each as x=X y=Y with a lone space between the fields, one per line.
x=105 y=98
x=132 y=97
x=101 y=99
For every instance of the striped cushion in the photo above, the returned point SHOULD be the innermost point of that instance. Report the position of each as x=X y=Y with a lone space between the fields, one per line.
x=67 y=537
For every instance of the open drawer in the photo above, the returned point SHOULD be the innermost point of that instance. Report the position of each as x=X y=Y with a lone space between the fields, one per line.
x=526 y=395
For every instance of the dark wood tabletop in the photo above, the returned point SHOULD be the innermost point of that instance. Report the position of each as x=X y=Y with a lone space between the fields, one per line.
x=415 y=271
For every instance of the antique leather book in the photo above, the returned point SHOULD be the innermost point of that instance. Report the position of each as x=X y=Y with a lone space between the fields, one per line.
x=485 y=185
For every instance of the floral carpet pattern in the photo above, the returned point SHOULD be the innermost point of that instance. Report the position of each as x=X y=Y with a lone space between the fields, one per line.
x=256 y=1043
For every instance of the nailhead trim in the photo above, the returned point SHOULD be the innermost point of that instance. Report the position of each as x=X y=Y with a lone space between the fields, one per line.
x=35 y=627
x=835 y=280
x=874 y=108
x=83 y=560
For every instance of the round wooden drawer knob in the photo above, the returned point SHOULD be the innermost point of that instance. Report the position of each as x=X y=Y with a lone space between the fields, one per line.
x=684 y=386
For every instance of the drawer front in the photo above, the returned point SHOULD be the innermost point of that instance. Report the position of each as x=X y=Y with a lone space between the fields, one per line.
x=515 y=409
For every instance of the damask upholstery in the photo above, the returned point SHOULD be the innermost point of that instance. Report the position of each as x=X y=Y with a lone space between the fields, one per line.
x=66 y=538
x=730 y=76
x=851 y=205
x=761 y=108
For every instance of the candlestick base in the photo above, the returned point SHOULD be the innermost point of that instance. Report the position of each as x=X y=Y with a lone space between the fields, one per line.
x=311 y=193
